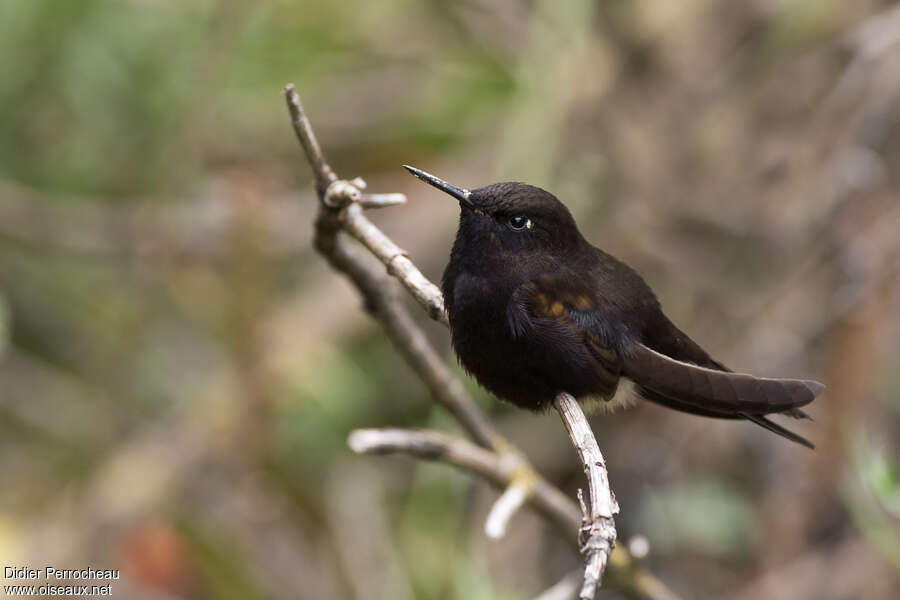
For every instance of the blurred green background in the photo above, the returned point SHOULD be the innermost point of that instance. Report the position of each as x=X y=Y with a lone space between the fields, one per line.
x=179 y=370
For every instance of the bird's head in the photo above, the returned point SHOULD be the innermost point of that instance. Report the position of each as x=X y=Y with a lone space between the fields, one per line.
x=510 y=217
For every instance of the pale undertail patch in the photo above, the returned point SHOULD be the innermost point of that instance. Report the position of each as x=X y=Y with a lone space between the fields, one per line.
x=625 y=397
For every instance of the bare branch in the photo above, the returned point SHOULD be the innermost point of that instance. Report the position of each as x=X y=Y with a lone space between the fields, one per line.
x=497 y=469
x=432 y=445
x=336 y=194
x=597 y=536
x=381 y=200
x=322 y=172
x=397 y=262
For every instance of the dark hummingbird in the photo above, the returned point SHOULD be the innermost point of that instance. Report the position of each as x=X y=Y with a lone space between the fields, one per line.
x=536 y=310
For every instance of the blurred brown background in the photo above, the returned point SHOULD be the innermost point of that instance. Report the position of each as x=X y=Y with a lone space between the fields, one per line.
x=180 y=370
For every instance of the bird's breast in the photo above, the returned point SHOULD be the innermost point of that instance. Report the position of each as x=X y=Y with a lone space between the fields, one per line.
x=477 y=309
x=479 y=329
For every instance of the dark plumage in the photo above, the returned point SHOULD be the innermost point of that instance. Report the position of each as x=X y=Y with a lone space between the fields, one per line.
x=535 y=310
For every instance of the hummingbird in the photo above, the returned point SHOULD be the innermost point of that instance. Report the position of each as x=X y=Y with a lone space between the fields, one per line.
x=535 y=310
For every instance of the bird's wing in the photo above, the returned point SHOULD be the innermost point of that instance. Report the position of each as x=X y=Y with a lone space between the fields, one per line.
x=562 y=310
x=559 y=312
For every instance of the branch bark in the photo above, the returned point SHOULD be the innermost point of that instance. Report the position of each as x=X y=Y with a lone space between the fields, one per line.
x=597 y=536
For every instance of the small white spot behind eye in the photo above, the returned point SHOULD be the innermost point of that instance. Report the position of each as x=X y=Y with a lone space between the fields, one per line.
x=520 y=222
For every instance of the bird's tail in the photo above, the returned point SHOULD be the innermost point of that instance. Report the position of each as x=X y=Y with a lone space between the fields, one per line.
x=713 y=391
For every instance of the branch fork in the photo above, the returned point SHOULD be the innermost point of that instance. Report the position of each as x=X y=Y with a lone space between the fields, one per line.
x=341 y=193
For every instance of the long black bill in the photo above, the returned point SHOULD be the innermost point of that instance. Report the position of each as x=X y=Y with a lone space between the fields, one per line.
x=448 y=188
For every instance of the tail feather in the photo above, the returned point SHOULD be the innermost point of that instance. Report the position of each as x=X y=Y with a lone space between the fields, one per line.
x=715 y=392
x=719 y=391
x=783 y=432
x=760 y=420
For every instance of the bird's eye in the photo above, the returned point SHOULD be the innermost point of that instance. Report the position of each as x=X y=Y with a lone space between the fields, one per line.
x=519 y=222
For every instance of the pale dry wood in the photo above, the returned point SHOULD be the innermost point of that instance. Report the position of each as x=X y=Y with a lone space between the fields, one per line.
x=397 y=262
x=597 y=536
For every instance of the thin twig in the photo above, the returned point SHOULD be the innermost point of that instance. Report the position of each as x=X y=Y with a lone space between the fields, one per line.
x=512 y=499
x=337 y=194
x=431 y=445
x=597 y=536
x=397 y=262
x=551 y=503
x=322 y=172
x=381 y=200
